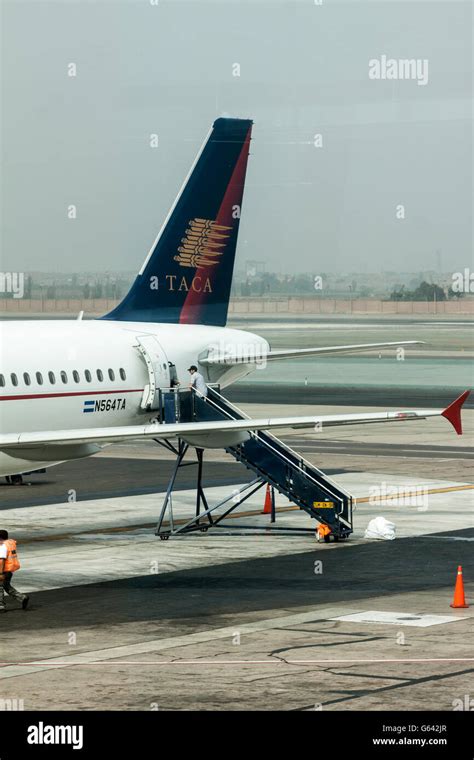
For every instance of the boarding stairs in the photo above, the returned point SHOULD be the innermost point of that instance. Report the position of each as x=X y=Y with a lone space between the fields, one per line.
x=266 y=456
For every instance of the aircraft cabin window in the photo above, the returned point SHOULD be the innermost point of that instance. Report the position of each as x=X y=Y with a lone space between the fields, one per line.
x=100 y=375
x=39 y=378
x=2 y=381
x=26 y=378
x=122 y=374
x=52 y=378
x=75 y=375
x=63 y=376
x=87 y=375
x=14 y=379
x=111 y=374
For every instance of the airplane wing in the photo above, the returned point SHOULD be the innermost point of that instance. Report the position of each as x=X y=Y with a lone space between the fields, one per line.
x=300 y=353
x=317 y=422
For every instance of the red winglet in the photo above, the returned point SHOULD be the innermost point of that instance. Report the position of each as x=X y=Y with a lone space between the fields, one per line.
x=453 y=412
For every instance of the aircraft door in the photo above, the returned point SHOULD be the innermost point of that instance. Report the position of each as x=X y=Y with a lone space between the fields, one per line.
x=158 y=370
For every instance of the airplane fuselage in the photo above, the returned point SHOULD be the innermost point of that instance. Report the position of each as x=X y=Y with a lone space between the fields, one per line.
x=64 y=374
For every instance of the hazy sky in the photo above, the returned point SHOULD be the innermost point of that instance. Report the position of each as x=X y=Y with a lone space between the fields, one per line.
x=304 y=70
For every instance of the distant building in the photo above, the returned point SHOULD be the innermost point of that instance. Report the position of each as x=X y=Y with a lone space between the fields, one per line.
x=254 y=268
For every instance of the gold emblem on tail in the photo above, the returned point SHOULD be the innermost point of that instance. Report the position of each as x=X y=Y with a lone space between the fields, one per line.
x=203 y=243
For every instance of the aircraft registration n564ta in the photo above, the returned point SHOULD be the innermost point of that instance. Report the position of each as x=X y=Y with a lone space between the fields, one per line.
x=67 y=388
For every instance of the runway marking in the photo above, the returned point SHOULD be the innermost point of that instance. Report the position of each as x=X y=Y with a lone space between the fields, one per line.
x=397 y=618
x=381 y=455
x=236 y=662
x=238 y=515
x=411 y=491
x=125 y=528
x=104 y=656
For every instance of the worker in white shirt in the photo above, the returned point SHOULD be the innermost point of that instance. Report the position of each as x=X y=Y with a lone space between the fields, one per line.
x=197 y=380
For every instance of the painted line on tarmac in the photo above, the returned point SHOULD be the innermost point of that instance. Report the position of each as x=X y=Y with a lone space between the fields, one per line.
x=239 y=515
x=401 y=453
x=269 y=661
x=104 y=656
x=412 y=492
x=138 y=526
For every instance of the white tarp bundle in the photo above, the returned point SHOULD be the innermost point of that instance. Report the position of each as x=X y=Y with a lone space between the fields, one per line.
x=380 y=528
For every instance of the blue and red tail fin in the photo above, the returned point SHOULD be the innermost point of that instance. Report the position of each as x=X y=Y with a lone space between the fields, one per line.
x=187 y=275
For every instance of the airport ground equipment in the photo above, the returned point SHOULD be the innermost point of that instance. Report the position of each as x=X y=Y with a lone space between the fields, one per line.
x=266 y=456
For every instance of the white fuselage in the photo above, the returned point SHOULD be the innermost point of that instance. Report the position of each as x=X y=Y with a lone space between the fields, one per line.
x=68 y=375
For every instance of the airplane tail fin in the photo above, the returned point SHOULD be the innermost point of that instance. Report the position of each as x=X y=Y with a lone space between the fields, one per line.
x=187 y=275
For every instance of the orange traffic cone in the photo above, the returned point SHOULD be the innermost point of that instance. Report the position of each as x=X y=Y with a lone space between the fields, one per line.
x=459 y=600
x=267 y=507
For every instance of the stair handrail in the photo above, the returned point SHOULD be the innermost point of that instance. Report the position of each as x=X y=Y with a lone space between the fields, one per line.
x=297 y=465
x=255 y=434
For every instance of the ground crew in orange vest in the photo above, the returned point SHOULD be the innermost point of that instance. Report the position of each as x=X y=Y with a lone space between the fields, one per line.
x=9 y=563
